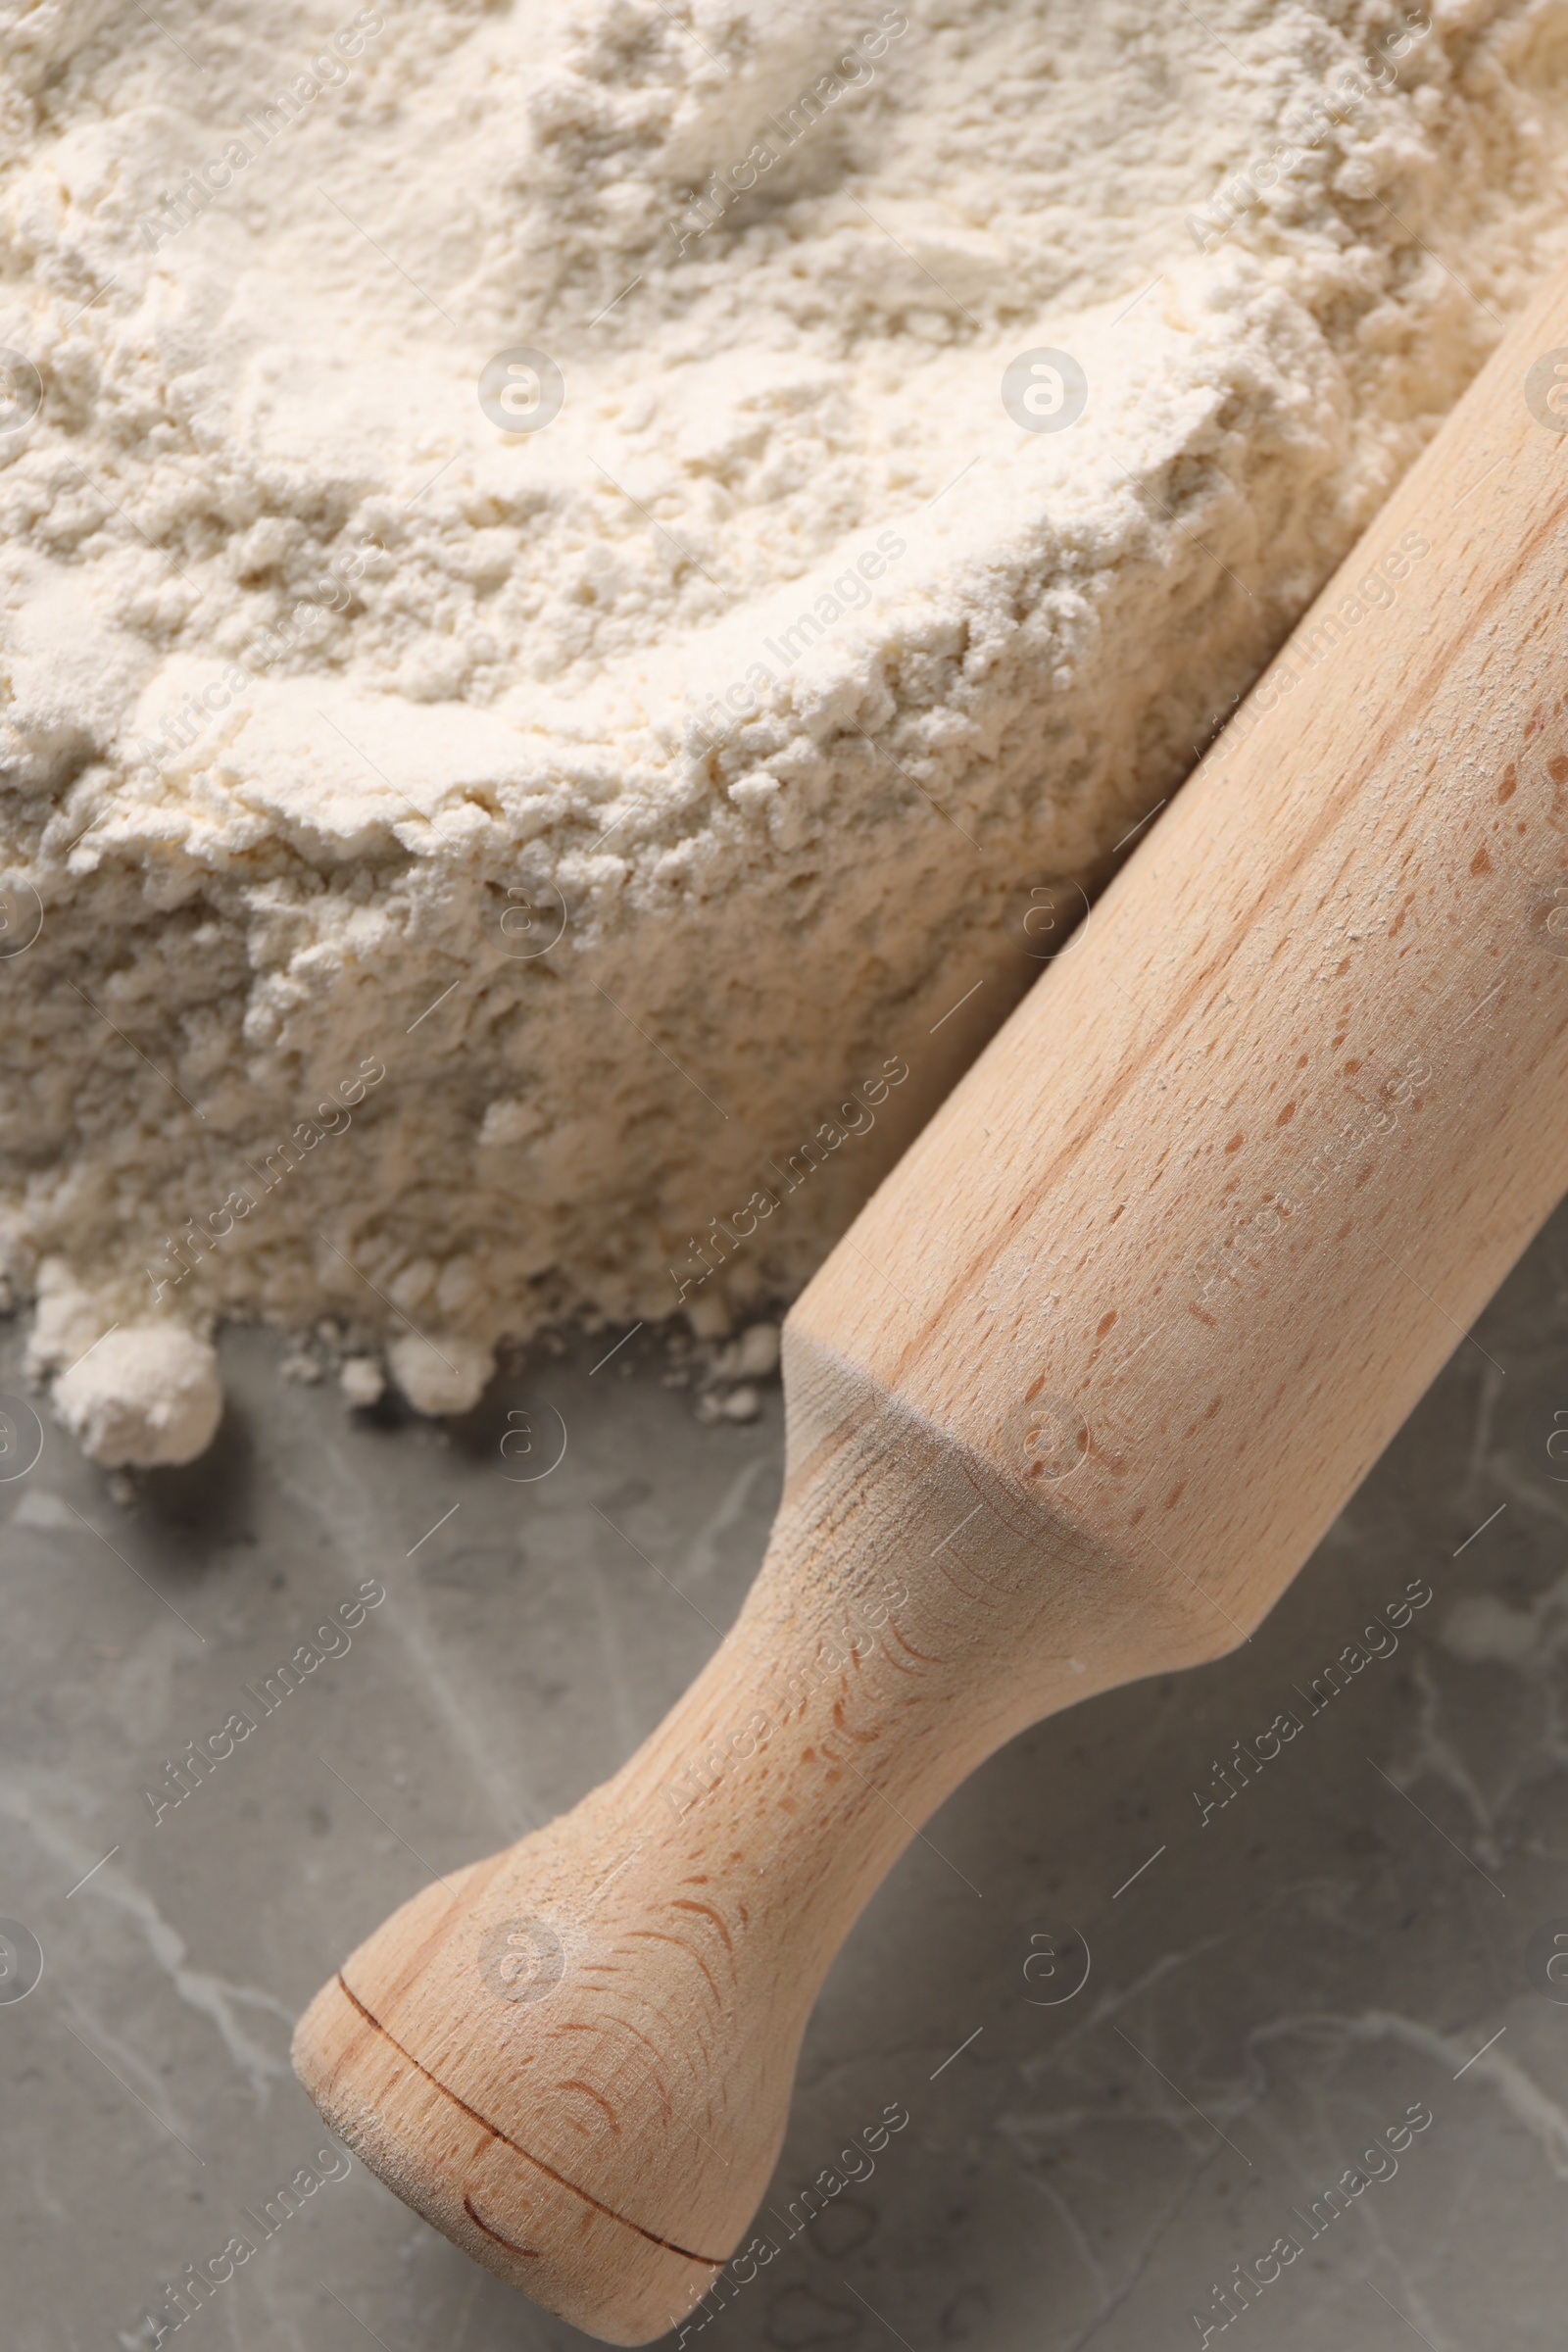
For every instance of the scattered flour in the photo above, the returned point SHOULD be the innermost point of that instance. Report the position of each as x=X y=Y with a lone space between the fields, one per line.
x=147 y=1395
x=456 y=876
x=445 y=1376
x=361 y=1381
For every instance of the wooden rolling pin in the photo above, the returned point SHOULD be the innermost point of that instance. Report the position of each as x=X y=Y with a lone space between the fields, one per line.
x=1071 y=1402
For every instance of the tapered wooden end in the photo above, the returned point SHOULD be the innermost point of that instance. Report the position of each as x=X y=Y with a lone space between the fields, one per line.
x=509 y=2210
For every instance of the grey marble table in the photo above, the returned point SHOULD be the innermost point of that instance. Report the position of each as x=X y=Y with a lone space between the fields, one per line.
x=1359 y=1935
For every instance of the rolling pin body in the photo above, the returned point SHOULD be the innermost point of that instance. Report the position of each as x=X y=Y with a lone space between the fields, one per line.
x=1069 y=1405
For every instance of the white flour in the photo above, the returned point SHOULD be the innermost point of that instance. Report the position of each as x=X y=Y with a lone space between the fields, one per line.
x=469 y=867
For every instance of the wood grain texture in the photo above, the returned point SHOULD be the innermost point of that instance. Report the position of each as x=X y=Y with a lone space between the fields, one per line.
x=1069 y=1405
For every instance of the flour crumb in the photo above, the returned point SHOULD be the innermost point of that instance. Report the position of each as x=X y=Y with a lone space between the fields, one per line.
x=728 y=1405
x=754 y=1356
x=361 y=1381
x=442 y=1375
x=149 y=1395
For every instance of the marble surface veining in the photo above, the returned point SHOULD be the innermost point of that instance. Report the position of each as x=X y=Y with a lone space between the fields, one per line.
x=1286 y=1956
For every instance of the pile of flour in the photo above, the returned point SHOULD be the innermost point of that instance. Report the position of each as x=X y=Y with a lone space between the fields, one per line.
x=468 y=861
